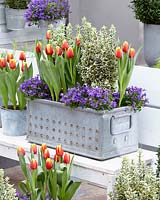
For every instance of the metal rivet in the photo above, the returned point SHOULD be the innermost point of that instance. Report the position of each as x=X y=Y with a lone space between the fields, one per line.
x=71 y=142
x=70 y=133
x=59 y=130
x=30 y=116
x=30 y=124
x=59 y=122
x=64 y=140
x=41 y=135
x=47 y=120
x=83 y=137
x=126 y=138
x=83 y=128
x=77 y=144
x=90 y=147
x=82 y=145
x=71 y=125
x=90 y=129
x=77 y=126
x=41 y=119
x=53 y=137
x=35 y=133
x=35 y=125
x=47 y=137
x=96 y=139
x=53 y=129
x=53 y=121
x=77 y=135
x=59 y=139
x=96 y=148
x=114 y=141
x=47 y=128
x=65 y=132
x=97 y=131
x=41 y=127
x=65 y=124
x=90 y=138
x=36 y=117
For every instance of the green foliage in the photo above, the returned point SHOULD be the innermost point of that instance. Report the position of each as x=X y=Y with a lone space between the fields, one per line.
x=17 y=4
x=147 y=11
x=98 y=65
x=136 y=181
x=157 y=65
x=7 y=192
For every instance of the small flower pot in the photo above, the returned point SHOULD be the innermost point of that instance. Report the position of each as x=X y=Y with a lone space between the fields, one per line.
x=15 y=18
x=95 y=134
x=13 y=122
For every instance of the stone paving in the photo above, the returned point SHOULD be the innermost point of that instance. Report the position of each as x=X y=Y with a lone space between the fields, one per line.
x=85 y=192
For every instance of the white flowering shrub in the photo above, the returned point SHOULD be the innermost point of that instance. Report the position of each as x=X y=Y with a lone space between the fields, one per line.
x=7 y=192
x=136 y=181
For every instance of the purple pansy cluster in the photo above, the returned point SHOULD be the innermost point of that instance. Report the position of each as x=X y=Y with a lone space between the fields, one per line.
x=88 y=97
x=35 y=88
x=99 y=99
x=50 y=10
x=135 y=97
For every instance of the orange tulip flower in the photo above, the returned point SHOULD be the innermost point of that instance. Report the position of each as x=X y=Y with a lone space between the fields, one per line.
x=22 y=56
x=33 y=164
x=46 y=154
x=118 y=52
x=3 y=62
x=70 y=53
x=66 y=158
x=132 y=52
x=49 y=49
x=59 y=150
x=33 y=148
x=125 y=46
x=12 y=63
x=65 y=45
x=20 y=151
x=9 y=56
x=49 y=163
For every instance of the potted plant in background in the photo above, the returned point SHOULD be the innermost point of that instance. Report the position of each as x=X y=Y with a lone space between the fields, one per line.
x=82 y=72
x=148 y=12
x=11 y=76
x=44 y=12
x=14 y=12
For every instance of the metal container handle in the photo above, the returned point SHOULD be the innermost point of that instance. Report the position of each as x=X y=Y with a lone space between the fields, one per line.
x=120 y=116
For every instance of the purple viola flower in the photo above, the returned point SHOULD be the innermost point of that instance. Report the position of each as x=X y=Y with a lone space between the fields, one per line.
x=46 y=10
x=35 y=88
x=88 y=97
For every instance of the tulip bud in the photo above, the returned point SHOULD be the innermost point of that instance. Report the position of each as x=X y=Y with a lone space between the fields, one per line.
x=66 y=158
x=33 y=164
x=56 y=158
x=118 y=52
x=78 y=42
x=59 y=150
x=38 y=47
x=20 y=151
x=125 y=46
x=3 y=62
x=22 y=56
x=49 y=49
x=58 y=50
x=64 y=45
x=48 y=35
x=70 y=53
x=46 y=154
x=12 y=63
x=33 y=148
x=43 y=147
x=9 y=56
x=49 y=163
x=24 y=66
x=132 y=52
